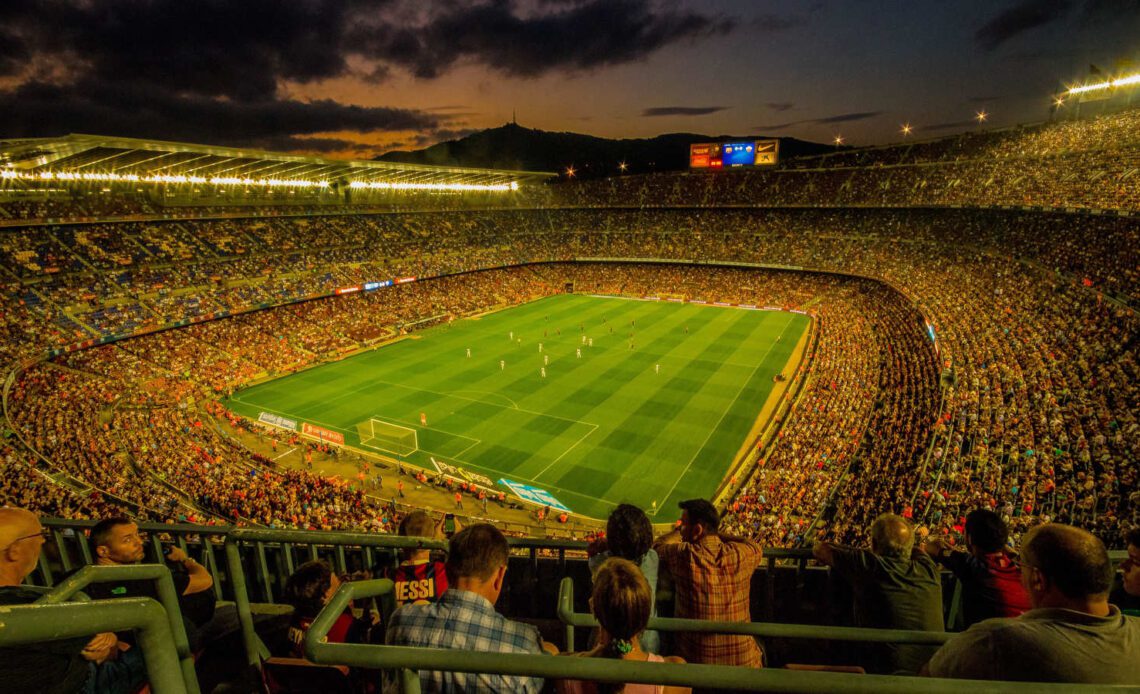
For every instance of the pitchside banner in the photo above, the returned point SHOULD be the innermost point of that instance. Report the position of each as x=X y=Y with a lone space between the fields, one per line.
x=456 y=471
x=534 y=495
x=322 y=434
x=277 y=421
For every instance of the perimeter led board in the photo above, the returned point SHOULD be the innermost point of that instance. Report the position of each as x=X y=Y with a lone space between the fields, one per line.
x=719 y=155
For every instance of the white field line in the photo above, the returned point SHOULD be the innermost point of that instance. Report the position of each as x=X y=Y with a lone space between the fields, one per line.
x=572 y=447
x=724 y=414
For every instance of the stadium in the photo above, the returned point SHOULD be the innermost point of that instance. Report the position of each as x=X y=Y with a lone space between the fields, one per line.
x=267 y=352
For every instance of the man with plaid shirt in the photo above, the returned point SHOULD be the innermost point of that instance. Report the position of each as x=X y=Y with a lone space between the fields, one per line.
x=465 y=619
x=712 y=575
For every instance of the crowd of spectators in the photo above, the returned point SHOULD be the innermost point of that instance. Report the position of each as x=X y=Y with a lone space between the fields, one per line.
x=995 y=367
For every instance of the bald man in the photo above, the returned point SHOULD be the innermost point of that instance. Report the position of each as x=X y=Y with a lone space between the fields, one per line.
x=1072 y=634
x=55 y=666
x=895 y=586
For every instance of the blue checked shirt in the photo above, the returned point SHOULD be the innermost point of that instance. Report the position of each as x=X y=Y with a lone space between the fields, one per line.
x=462 y=620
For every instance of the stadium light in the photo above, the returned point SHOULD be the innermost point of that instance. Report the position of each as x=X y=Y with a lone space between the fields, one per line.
x=906 y=129
x=157 y=178
x=455 y=187
x=1126 y=81
x=1058 y=102
x=570 y=172
x=981 y=116
x=623 y=166
x=838 y=140
x=88 y=176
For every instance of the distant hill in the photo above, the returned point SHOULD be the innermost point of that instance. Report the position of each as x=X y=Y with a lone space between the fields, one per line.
x=524 y=149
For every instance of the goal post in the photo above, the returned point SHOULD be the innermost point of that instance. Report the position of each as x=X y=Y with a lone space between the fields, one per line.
x=389 y=437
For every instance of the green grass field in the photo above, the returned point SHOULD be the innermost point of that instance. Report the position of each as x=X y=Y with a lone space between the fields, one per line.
x=597 y=430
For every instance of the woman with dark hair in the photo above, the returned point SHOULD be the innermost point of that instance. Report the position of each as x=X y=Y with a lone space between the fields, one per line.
x=622 y=603
x=307 y=590
x=629 y=535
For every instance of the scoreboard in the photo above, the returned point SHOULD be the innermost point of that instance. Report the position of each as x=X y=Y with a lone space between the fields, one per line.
x=724 y=155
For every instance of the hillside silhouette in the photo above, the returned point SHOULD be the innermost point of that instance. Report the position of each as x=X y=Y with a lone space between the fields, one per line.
x=515 y=147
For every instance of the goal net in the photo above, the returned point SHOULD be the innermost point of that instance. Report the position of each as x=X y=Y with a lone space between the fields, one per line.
x=385 y=436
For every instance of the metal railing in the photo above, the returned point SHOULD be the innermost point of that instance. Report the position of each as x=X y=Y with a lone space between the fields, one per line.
x=27 y=624
x=167 y=596
x=572 y=619
x=286 y=541
x=408 y=660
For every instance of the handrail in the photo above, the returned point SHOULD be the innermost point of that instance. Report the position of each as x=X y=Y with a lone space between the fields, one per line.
x=254 y=648
x=408 y=660
x=571 y=619
x=167 y=596
x=24 y=624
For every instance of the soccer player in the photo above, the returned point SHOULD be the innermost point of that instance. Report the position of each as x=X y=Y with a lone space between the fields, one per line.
x=423 y=419
x=512 y=333
x=579 y=352
x=656 y=368
x=540 y=348
x=591 y=342
x=544 y=372
x=502 y=365
x=545 y=359
x=468 y=352
x=583 y=339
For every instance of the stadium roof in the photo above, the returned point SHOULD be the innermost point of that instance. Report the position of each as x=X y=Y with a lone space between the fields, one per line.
x=91 y=157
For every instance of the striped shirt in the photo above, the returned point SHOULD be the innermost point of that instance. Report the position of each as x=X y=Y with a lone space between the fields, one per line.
x=466 y=621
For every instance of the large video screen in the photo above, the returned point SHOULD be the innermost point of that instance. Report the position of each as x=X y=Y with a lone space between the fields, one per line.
x=716 y=155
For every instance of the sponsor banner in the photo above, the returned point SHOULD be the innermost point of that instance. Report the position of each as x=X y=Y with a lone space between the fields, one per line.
x=325 y=435
x=405 y=280
x=277 y=421
x=747 y=305
x=348 y=290
x=456 y=471
x=673 y=298
x=698 y=301
x=721 y=303
x=534 y=495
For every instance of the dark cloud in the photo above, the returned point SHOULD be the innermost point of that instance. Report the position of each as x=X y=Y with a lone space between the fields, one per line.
x=826 y=120
x=572 y=37
x=848 y=117
x=780 y=106
x=1018 y=19
x=214 y=70
x=682 y=110
x=321 y=145
x=125 y=108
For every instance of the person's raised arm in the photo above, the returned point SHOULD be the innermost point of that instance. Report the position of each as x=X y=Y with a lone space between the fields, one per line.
x=200 y=578
x=824 y=552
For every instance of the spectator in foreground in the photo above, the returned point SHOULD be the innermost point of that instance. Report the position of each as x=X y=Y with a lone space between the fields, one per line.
x=117 y=542
x=712 y=577
x=990 y=578
x=308 y=589
x=629 y=535
x=464 y=618
x=1127 y=595
x=99 y=664
x=418 y=578
x=895 y=586
x=1072 y=634
x=622 y=602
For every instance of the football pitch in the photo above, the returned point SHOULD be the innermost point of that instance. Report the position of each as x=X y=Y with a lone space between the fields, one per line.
x=656 y=417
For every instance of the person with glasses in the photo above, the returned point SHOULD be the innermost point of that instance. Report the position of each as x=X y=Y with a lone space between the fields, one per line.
x=1072 y=634
x=99 y=663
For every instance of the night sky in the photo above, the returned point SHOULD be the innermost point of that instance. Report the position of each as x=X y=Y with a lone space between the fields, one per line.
x=354 y=78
